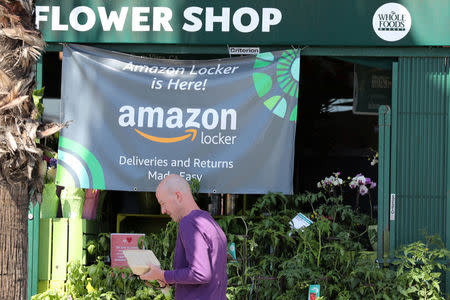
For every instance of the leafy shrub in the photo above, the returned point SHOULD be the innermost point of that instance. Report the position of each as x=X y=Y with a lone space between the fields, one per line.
x=279 y=262
x=276 y=261
x=101 y=281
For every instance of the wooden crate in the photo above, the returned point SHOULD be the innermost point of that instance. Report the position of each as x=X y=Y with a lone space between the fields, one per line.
x=61 y=240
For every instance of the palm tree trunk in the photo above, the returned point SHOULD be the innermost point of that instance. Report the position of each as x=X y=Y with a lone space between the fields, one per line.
x=13 y=241
x=20 y=47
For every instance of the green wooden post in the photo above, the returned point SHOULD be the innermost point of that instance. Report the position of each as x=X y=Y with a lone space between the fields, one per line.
x=33 y=224
x=447 y=213
x=45 y=254
x=393 y=178
x=33 y=249
x=75 y=240
x=45 y=249
x=384 y=150
x=30 y=251
x=59 y=256
x=386 y=176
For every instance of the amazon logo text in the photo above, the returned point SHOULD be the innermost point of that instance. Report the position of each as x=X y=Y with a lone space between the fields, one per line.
x=175 y=117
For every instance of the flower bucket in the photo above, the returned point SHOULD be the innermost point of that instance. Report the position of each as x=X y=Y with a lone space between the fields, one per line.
x=72 y=201
x=50 y=201
x=91 y=204
x=372 y=231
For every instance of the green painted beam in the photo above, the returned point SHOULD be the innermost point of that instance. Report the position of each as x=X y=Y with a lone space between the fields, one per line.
x=447 y=219
x=33 y=249
x=59 y=256
x=274 y=22
x=45 y=250
x=384 y=151
x=393 y=165
x=306 y=50
x=33 y=224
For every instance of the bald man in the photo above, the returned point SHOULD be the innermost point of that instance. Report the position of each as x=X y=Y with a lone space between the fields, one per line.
x=200 y=261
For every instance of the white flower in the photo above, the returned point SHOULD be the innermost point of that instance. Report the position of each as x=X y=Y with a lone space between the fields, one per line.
x=363 y=190
x=319 y=185
x=337 y=181
x=361 y=180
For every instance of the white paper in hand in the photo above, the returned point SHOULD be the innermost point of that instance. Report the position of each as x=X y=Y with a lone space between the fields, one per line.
x=139 y=261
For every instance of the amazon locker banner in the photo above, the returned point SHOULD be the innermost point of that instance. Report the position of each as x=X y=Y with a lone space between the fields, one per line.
x=229 y=123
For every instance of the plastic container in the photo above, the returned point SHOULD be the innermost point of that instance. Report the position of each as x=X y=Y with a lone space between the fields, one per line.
x=50 y=201
x=72 y=202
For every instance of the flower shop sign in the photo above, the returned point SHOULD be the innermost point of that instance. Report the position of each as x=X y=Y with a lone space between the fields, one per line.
x=234 y=22
x=229 y=123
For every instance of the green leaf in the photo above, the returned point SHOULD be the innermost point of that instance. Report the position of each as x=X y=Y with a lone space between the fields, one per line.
x=37 y=96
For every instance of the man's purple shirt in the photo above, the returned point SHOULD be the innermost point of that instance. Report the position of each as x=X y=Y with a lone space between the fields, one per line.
x=200 y=260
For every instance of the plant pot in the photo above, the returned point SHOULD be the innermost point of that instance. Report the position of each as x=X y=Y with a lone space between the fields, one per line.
x=369 y=255
x=91 y=204
x=50 y=201
x=72 y=201
x=372 y=231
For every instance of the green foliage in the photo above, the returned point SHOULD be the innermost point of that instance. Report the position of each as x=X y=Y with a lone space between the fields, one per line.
x=194 y=184
x=419 y=268
x=162 y=244
x=100 y=246
x=37 y=96
x=276 y=261
x=101 y=281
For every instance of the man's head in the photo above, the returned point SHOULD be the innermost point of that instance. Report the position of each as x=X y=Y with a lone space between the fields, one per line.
x=175 y=197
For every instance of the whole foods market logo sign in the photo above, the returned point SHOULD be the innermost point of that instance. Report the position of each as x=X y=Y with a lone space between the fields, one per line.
x=391 y=22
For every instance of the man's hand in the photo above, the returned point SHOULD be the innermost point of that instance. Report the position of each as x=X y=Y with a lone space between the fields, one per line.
x=155 y=273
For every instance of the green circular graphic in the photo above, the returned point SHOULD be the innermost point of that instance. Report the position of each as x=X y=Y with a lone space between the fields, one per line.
x=279 y=94
x=295 y=69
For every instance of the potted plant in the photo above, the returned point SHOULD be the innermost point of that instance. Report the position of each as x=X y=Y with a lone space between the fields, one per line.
x=50 y=200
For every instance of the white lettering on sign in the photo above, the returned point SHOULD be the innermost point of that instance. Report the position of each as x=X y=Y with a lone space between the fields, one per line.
x=391 y=22
x=211 y=19
x=237 y=19
x=162 y=17
x=118 y=20
x=90 y=18
x=189 y=15
x=271 y=17
x=39 y=17
x=174 y=118
x=139 y=18
x=56 y=26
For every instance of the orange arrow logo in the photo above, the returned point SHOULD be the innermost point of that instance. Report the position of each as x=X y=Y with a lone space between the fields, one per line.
x=192 y=132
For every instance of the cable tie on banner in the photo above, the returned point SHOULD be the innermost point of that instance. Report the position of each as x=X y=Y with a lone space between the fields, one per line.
x=298 y=48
